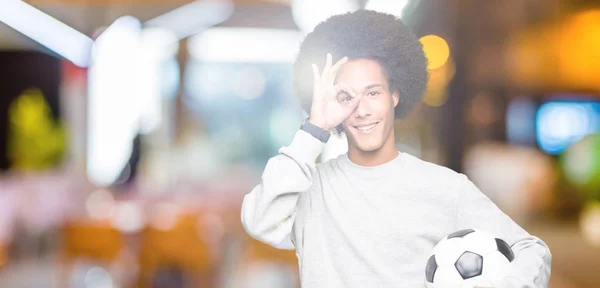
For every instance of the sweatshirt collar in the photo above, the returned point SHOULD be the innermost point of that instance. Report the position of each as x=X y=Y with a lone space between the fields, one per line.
x=388 y=169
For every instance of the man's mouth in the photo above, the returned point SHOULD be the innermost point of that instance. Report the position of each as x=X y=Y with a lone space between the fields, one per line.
x=366 y=128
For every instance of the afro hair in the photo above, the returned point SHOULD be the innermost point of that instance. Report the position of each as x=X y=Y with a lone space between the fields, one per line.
x=366 y=34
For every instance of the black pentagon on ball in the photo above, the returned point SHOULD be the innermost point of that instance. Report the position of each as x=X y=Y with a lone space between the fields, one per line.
x=505 y=249
x=461 y=233
x=469 y=265
x=430 y=269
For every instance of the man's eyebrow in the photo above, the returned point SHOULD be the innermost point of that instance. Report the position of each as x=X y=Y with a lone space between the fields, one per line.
x=373 y=86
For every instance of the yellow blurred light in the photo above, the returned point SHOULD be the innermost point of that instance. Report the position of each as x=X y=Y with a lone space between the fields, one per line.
x=435 y=97
x=436 y=49
x=436 y=94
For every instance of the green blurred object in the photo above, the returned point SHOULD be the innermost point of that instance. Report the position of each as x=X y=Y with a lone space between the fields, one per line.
x=580 y=164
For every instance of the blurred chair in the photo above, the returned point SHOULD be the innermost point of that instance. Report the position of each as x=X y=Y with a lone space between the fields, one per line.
x=96 y=241
x=177 y=249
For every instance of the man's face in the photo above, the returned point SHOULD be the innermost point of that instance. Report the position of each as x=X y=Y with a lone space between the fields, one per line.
x=371 y=124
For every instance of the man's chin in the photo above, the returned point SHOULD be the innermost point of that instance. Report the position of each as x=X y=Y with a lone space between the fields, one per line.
x=367 y=147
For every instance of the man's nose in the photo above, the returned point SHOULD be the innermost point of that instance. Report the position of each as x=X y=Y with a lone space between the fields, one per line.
x=362 y=110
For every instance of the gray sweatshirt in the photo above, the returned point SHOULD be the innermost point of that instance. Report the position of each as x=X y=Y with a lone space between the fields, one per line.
x=357 y=226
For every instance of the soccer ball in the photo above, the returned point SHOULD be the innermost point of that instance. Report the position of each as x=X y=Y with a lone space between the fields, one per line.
x=468 y=258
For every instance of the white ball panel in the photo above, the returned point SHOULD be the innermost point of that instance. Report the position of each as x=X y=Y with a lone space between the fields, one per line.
x=480 y=242
x=496 y=267
x=437 y=246
x=447 y=277
x=448 y=251
x=478 y=281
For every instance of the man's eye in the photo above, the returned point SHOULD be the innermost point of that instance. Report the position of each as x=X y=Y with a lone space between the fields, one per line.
x=344 y=97
x=373 y=93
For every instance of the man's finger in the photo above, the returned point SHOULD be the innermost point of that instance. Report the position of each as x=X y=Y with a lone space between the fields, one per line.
x=339 y=64
x=316 y=78
x=334 y=70
x=342 y=87
x=346 y=87
x=327 y=67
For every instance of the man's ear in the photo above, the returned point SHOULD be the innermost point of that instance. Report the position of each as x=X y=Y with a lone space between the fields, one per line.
x=395 y=98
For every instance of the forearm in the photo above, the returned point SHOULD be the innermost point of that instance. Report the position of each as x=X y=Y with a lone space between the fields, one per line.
x=532 y=265
x=268 y=211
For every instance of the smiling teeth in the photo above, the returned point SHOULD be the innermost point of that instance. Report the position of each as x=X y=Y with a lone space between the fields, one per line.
x=366 y=128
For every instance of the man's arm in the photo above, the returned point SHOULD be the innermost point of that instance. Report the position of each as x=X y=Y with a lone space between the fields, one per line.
x=531 y=266
x=268 y=211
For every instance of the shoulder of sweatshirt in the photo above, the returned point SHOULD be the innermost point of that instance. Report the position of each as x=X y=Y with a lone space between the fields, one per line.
x=429 y=173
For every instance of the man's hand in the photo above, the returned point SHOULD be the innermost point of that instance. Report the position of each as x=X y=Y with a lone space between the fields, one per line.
x=331 y=104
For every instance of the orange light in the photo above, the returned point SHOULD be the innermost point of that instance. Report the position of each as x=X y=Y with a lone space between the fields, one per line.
x=563 y=55
x=579 y=50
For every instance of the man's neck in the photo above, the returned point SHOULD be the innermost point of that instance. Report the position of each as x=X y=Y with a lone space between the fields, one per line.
x=384 y=154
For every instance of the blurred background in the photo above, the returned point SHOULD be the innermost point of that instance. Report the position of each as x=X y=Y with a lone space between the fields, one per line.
x=131 y=130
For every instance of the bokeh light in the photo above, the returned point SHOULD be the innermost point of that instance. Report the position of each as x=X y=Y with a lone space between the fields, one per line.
x=561 y=123
x=100 y=204
x=283 y=125
x=309 y=13
x=436 y=49
x=562 y=55
x=249 y=83
x=590 y=223
x=520 y=121
x=396 y=7
x=483 y=110
x=579 y=49
x=98 y=277
x=205 y=81
x=164 y=216
x=245 y=45
x=581 y=165
x=436 y=94
x=128 y=217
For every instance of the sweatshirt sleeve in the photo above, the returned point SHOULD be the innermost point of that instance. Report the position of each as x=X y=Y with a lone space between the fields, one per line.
x=268 y=211
x=531 y=266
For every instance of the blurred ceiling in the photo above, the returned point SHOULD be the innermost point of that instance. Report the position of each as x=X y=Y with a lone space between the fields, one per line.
x=87 y=16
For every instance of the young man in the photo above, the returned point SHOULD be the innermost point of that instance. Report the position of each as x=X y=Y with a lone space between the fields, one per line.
x=371 y=217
